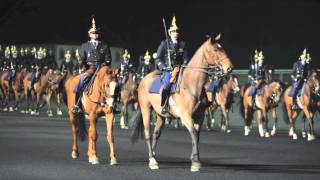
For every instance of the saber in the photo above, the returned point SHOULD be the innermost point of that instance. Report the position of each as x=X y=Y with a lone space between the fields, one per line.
x=167 y=40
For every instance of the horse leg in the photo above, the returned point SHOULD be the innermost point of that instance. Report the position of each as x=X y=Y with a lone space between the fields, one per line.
x=157 y=133
x=224 y=119
x=92 y=152
x=58 y=99
x=109 y=124
x=309 y=116
x=260 y=125
x=146 y=112
x=304 y=132
x=275 y=121
x=293 y=128
x=188 y=122
x=247 y=122
x=74 y=128
x=265 y=120
x=47 y=99
x=124 y=115
x=208 y=118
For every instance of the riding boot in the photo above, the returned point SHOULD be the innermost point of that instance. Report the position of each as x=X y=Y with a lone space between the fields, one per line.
x=164 y=101
x=81 y=86
x=253 y=101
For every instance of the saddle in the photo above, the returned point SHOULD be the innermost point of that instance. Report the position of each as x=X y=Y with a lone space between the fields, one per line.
x=157 y=84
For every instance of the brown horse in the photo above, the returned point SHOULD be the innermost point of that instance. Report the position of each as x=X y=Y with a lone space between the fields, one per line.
x=185 y=104
x=305 y=102
x=98 y=101
x=224 y=98
x=127 y=96
x=43 y=91
x=6 y=89
x=17 y=86
x=28 y=94
x=268 y=100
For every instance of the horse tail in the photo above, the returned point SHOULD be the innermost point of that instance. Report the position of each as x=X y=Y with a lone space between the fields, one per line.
x=65 y=97
x=285 y=116
x=136 y=124
x=82 y=129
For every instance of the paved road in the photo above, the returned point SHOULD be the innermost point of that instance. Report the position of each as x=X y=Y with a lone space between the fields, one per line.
x=39 y=149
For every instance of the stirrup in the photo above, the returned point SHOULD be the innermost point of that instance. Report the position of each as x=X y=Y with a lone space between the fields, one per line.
x=76 y=109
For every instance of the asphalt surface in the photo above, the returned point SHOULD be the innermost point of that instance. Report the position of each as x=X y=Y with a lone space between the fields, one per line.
x=39 y=148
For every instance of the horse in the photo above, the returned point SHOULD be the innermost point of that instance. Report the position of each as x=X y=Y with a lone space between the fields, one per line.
x=43 y=91
x=6 y=89
x=268 y=100
x=127 y=96
x=17 y=86
x=185 y=104
x=224 y=97
x=98 y=101
x=306 y=101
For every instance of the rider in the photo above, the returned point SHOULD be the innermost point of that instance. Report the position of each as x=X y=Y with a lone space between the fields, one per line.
x=145 y=67
x=177 y=53
x=38 y=66
x=94 y=54
x=257 y=75
x=78 y=69
x=125 y=67
x=215 y=82
x=12 y=64
x=300 y=72
x=67 y=64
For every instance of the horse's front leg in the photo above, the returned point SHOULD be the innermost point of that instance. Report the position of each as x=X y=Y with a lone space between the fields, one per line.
x=260 y=124
x=58 y=99
x=47 y=100
x=189 y=124
x=92 y=149
x=124 y=115
x=157 y=133
x=275 y=121
x=224 y=119
x=109 y=125
x=74 y=129
x=265 y=122
x=309 y=116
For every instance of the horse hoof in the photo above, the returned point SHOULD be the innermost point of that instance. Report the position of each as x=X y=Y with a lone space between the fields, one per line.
x=294 y=136
x=10 y=109
x=304 y=134
x=153 y=164
x=74 y=155
x=59 y=113
x=15 y=109
x=50 y=114
x=23 y=111
x=113 y=162
x=94 y=160
x=267 y=135
x=311 y=137
x=273 y=132
x=195 y=167
x=124 y=127
x=5 y=109
x=261 y=134
x=228 y=131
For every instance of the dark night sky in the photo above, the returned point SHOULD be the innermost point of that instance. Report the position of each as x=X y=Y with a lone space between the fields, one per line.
x=281 y=28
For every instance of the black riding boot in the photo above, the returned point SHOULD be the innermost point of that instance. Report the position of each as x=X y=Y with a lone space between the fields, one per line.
x=294 y=102
x=77 y=106
x=164 y=101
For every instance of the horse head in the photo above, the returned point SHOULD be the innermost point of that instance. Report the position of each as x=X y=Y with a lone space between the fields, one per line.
x=215 y=55
x=314 y=83
x=232 y=82
x=275 y=91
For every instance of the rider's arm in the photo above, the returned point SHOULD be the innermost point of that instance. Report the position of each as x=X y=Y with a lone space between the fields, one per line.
x=160 y=56
x=108 y=58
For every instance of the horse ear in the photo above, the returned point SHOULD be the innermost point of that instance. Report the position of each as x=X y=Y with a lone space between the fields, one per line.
x=217 y=38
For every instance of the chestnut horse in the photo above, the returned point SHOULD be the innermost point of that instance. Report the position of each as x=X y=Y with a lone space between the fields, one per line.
x=127 y=96
x=306 y=102
x=269 y=100
x=97 y=101
x=224 y=98
x=185 y=104
x=6 y=91
x=17 y=86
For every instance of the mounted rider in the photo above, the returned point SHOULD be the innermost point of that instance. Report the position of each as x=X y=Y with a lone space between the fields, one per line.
x=300 y=72
x=125 y=67
x=145 y=67
x=67 y=64
x=171 y=56
x=258 y=75
x=94 y=54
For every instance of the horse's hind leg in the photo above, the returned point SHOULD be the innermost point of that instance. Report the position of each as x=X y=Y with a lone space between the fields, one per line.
x=247 y=121
x=146 y=114
x=124 y=115
x=109 y=124
x=275 y=121
x=157 y=133
x=260 y=125
x=58 y=99
x=265 y=120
